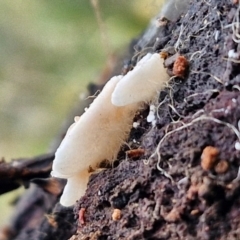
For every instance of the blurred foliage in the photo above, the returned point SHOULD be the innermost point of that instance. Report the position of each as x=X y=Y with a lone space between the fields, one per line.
x=49 y=51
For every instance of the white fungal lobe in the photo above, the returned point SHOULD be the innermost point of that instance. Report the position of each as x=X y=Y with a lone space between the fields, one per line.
x=99 y=133
x=75 y=188
x=142 y=83
x=95 y=136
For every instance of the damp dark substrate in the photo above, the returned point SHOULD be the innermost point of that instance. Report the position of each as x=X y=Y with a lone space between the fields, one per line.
x=172 y=197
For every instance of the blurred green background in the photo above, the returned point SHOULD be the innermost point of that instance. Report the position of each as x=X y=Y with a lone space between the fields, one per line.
x=49 y=51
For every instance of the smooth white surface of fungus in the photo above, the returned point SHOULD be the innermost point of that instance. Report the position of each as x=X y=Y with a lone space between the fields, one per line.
x=97 y=135
x=142 y=83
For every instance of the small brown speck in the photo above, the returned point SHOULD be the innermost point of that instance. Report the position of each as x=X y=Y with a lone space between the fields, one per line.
x=229 y=186
x=180 y=66
x=194 y=212
x=163 y=54
x=6 y=233
x=135 y=153
x=192 y=192
x=221 y=167
x=203 y=190
x=209 y=157
x=51 y=220
x=81 y=216
x=116 y=214
x=161 y=22
x=173 y=216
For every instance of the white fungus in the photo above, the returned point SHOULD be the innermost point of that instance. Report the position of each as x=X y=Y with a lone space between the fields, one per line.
x=136 y=124
x=151 y=115
x=75 y=188
x=152 y=108
x=154 y=122
x=97 y=135
x=237 y=146
x=142 y=83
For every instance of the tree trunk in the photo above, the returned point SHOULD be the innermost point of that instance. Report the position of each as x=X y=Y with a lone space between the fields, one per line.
x=183 y=183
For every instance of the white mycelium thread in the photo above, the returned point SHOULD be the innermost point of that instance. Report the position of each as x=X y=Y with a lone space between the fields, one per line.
x=142 y=83
x=97 y=135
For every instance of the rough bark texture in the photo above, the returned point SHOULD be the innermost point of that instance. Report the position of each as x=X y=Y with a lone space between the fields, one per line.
x=188 y=186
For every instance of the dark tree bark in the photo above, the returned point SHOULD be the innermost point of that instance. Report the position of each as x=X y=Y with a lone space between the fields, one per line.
x=184 y=184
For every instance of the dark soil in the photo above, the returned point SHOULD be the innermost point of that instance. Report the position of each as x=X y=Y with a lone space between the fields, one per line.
x=173 y=191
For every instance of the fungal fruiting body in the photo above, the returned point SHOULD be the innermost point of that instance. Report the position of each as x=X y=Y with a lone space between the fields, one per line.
x=142 y=83
x=75 y=188
x=97 y=135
